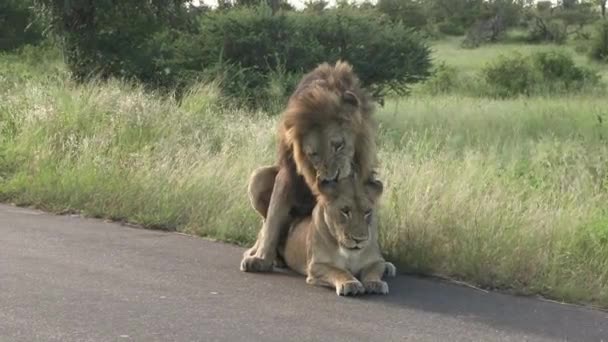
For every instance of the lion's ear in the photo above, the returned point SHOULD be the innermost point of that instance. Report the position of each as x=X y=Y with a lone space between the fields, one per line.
x=350 y=98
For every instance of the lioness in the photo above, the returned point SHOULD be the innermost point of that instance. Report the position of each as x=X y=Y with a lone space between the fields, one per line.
x=325 y=133
x=339 y=242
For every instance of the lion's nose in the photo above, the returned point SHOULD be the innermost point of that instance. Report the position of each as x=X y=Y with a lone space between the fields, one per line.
x=359 y=240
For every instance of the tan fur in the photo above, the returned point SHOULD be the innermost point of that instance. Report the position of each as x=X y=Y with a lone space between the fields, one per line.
x=337 y=246
x=326 y=132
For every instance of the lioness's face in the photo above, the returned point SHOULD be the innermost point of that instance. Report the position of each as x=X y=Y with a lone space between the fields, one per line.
x=350 y=210
x=331 y=150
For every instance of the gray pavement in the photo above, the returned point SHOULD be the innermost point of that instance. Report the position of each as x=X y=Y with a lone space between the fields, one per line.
x=66 y=278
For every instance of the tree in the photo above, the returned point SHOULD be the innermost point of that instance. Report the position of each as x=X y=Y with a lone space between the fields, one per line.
x=495 y=17
x=17 y=24
x=602 y=4
x=410 y=12
x=463 y=13
x=107 y=37
x=556 y=23
x=316 y=6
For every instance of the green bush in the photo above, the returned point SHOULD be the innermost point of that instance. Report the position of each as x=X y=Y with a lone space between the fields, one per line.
x=245 y=47
x=539 y=73
x=109 y=38
x=444 y=79
x=248 y=45
x=599 y=45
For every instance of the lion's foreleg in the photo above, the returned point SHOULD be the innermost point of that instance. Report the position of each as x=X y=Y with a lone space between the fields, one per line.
x=261 y=259
x=343 y=281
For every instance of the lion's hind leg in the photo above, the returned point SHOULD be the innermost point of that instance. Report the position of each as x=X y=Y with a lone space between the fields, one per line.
x=260 y=188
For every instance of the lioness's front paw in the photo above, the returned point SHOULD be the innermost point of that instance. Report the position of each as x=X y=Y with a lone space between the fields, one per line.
x=390 y=270
x=255 y=264
x=350 y=288
x=376 y=287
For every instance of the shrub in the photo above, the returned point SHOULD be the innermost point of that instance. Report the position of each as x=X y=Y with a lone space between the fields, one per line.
x=244 y=46
x=539 y=73
x=444 y=79
x=599 y=44
x=253 y=43
x=510 y=76
x=107 y=38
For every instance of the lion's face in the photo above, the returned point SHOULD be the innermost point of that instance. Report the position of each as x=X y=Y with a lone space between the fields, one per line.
x=330 y=150
x=350 y=210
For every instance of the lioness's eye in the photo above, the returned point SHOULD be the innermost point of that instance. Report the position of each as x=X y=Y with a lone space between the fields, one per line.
x=339 y=145
x=346 y=212
x=368 y=215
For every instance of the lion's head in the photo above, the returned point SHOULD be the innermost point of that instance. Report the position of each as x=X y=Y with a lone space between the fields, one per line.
x=350 y=210
x=327 y=129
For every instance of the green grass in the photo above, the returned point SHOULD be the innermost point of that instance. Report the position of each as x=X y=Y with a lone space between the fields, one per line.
x=465 y=65
x=470 y=60
x=508 y=194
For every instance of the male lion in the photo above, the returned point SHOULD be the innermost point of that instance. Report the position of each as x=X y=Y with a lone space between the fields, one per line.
x=325 y=133
x=339 y=241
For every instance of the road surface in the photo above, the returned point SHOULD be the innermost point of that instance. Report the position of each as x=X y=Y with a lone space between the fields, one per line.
x=66 y=278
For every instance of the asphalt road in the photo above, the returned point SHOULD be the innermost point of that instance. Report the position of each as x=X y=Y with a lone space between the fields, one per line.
x=67 y=278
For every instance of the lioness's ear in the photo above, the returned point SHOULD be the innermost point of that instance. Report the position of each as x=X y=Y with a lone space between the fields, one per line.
x=351 y=98
x=374 y=188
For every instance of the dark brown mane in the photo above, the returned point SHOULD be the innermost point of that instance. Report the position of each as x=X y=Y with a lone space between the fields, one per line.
x=328 y=93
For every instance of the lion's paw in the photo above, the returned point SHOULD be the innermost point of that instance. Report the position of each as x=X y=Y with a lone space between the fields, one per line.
x=376 y=287
x=255 y=264
x=390 y=270
x=350 y=288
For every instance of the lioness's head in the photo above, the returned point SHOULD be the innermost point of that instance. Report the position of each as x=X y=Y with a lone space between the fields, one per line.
x=328 y=126
x=350 y=210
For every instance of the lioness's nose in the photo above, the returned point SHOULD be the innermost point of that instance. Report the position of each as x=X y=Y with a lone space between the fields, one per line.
x=359 y=240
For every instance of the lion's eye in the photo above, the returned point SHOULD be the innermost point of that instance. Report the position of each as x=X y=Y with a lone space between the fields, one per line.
x=338 y=145
x=345 y=212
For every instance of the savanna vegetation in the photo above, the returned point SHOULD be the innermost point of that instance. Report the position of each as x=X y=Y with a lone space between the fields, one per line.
x=492 y=139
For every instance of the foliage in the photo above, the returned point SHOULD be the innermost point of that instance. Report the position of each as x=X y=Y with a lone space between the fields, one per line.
x=444 y=79
x=105 y=38
x=541 y=72
x=17 y=24
x=556 y=23
x=496 y=17
x=411 y=12
x=599 y=44
x=164 y=44
x=249 y=44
